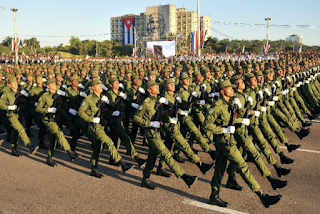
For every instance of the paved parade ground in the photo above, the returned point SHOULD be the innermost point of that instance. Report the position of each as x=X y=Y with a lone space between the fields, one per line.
x=28 y=185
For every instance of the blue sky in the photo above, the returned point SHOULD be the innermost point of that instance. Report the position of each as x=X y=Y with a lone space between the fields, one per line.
x=64 y=18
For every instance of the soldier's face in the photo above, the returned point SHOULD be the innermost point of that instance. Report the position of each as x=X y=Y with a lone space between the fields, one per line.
x=74 y=83
x=52 y=87
x=154 y=90
x=136 y=81
x=270 y=76
x=14 y=85
x=185 y=82
x=59 y=78
x=198 y=78
x=171 y=87
x=115 y=85
x=240 y=84
x=29 y=78
x=227 y=92
x=97 y=88
x=39 y=80
x=208 y=76
x=152 y=77
x=253 y=82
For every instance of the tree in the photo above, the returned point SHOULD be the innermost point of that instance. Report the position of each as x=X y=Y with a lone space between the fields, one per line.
x=7 y=41
x=32 y=43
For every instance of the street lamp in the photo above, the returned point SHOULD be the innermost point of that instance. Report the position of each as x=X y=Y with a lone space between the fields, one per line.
x=14 y=10
x=267 y=19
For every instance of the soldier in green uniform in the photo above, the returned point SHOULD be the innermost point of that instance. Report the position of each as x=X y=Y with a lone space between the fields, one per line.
x=10 y=103
x=218 y=122
x=146 y=117
x=88 y=110
x=47 y=106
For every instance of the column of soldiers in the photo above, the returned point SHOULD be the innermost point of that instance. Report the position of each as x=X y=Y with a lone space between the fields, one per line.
x=233 y=109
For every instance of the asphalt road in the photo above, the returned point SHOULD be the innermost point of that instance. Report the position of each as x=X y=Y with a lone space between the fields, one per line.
x=28 y=185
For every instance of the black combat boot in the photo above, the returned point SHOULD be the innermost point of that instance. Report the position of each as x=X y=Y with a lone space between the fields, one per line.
x=94 y=172
x=50 y=162
x=302 y=133
x=311 y=117
x=147 y=183
x=72 y=155
x=233 y=184
x=291 y=147
x=140 y=161
x=216 y=200
x=268 y=200
x=189 y=179
x=162 y=172
x=276 y=183
x=305 y=124
x=14 y=152
x=32 y=148
x=281 y=171
x=204 y=168
x=178 y=158
x=124 y=166
x=284 y=159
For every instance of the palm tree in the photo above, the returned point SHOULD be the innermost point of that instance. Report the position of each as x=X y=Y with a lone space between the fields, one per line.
x=33 y=43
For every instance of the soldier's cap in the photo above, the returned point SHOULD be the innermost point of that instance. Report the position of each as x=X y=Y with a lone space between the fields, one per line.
x=249 y=76
x=229 y=68
x=8 y=75
x=39 y=75
x=95 y=82
x=234 y=78
x=94 y=75
x=58 y=74
x=248 y=66
x=151 y=83
x=113 y=79
x=196 y=73
x=152 y=73
x=73 y=78
x=28 y=74
x=224 y=84
x=113 y=73
x=128 y=71
x=239 y=68
x=170 y=80
x=134 y=76
x=49 y=81
x=72 y=73
x=12 y=79
x=217 y=69
x=18 y=71
x=266 y=71
x=164 y=70
x=184 y=76
x=50 y=73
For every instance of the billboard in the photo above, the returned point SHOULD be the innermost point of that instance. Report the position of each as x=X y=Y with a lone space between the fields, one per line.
x=162 y=48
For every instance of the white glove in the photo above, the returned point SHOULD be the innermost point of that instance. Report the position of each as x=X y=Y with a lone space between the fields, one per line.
x=288 y=78
x=82 y=94
x=277 y=83
x=211 y=95
x=237 y=102
x=135 y=105
x=257 y=113
x=294 y=89
x=14 y=107
x=267 y=91
x=34 y=84
x=260 y=94
x=194 y=94
x=22 y=83
x=173 y=120
x=65 y=87
x=287 y=91
x=104 y=87
x=184 y=113
x=80 y=86
x=273 y=86
x=123 y=95
x=202 y=102
x=284 y=92
x=275 y=98
x=141 y=90
x=229 y=130
x=263 y=109
x=44 y=79
x=217 y=94
x=116 y=113
x=24 y=93
x=179 y=99
x=204 y=86
x=96 y=120
x=271 y=103
x=61 y=93
x=35 y=104
x=47 y=89
x=155 y=124
x=250 y=99
x=245 y=121
x=163 y=101
x=52 y=110
x=307 y=81
x=105 y=99
x=121 y=85
x=72 y=111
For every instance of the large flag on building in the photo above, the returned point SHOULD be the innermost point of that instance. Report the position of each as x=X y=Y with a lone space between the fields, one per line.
x=15 y=44
x=128 y=24
x=194 y=41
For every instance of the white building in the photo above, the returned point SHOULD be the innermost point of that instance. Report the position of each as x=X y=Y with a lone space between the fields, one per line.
x=295 y=39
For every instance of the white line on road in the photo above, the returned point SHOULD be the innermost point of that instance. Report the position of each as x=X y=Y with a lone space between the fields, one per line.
x=313 y=121
x=303 y=150
x=211 y=207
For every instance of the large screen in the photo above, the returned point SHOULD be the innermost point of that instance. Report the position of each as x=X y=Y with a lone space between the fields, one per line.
x=162 y=48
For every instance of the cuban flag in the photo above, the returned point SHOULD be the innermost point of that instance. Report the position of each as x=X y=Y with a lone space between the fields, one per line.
x=266 y=48
x=128 y=24
x=194 y=41
x=15 y=45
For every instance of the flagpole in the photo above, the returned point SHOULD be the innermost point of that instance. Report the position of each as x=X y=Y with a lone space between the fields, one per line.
x=135 y=42
x=198 y=33
x=14 y=10
x=267 y=19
